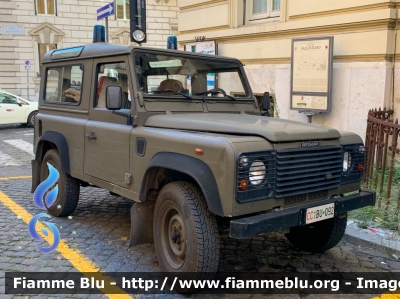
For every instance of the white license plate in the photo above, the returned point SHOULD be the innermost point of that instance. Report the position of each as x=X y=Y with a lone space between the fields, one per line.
x=320 y=213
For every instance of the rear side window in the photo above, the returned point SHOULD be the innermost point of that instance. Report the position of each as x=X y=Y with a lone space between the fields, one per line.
x=112 y=74
x=64 y=84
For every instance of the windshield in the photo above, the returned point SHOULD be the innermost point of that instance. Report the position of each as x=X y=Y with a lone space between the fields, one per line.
x=176 y=75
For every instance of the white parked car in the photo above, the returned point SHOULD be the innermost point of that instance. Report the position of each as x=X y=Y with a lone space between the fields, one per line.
x=16 y=110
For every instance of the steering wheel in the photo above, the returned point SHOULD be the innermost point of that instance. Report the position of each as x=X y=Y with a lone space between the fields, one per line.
x=213 y=92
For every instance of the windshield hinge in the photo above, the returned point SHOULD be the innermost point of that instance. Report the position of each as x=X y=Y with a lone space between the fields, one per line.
x=139 y=97
x=128 y=178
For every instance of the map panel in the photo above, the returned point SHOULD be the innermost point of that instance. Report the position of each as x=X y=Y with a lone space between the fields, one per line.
x=310 y=66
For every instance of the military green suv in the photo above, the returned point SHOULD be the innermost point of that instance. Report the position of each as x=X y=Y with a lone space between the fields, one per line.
x=181 y=134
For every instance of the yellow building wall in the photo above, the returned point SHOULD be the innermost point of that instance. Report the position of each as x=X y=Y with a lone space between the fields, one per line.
x=201 y=18
x=364 y=35
x=308 y=8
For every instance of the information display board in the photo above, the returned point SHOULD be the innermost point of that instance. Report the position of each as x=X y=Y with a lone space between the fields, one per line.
x=311 y=76
x=204 y=47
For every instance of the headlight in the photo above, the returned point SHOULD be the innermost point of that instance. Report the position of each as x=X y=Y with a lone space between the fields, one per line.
x=346 y=161
x=257 y=172
x=243 y=161
x=138 y=35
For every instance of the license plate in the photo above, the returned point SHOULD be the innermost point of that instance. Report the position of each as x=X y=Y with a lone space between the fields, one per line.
x=320 y=213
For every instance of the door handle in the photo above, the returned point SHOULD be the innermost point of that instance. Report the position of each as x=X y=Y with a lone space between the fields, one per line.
x=91 y=136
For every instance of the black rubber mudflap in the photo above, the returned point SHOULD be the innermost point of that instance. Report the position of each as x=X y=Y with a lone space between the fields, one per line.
x=35 y=175
x=142 y=223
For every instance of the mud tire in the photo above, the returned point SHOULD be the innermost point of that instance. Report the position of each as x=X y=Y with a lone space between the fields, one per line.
x=196 y=247
x=68 y=187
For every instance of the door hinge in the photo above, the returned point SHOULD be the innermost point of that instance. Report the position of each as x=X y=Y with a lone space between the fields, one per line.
x=128 y=178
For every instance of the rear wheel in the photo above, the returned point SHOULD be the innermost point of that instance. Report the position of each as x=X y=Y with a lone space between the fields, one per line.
x=68 y=187
x=318 y=236
x=31 y=118
x=185 y=232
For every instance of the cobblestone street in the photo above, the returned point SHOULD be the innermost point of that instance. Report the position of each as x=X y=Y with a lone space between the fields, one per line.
x=99 y=230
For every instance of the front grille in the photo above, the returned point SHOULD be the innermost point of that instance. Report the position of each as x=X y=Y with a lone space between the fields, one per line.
x=306 y=170
x=318 y=195
x=290 y=200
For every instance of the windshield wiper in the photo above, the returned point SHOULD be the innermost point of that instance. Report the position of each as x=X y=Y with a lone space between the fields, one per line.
x=176 y=92
x=215 y=91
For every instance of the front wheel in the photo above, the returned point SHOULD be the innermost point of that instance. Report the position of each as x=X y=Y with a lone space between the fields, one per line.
x=68 y=187
x=31 y=118
x=185 y=232
x=318 y=236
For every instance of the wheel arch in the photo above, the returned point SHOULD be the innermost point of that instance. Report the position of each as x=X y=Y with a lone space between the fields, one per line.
x=165 y=167
x=54 y=140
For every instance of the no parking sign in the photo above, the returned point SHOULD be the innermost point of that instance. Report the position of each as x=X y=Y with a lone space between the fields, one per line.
x=27 y=65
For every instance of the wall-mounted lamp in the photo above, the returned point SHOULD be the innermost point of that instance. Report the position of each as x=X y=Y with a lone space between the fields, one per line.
x=199 y=38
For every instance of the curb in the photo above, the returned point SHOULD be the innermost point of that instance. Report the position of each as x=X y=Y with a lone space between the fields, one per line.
x=389 y=242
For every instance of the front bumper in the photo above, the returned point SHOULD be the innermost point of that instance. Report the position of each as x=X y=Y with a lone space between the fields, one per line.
x=245 y=228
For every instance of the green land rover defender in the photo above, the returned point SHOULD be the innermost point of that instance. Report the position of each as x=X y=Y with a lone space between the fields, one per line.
x=182 y=135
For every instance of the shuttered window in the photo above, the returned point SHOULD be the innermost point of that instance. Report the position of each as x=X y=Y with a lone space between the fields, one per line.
x=43 y=48
x=122 y=12
x=46 y=7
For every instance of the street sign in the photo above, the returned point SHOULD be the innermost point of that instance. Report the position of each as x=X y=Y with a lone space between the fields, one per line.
x=105 y=11
x=27 y=65
x=12 y=30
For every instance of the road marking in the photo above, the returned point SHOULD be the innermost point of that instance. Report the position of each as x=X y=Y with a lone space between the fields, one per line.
x=75 y=257
x=28 y=134
x=16 y=177
x=388 y=295
x=22 y=145
x=7 y=160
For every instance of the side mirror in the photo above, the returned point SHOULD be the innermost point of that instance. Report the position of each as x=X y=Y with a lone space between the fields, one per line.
x=113 y=97
x=266 y=102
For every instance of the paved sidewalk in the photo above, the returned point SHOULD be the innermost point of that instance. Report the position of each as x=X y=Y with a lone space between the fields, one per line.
x=100 y=227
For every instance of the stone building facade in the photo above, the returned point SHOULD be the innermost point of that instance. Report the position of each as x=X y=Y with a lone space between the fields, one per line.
x=29 y=28
x=259 y=33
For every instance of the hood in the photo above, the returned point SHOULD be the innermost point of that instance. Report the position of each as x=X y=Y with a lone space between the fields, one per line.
x=273 y=129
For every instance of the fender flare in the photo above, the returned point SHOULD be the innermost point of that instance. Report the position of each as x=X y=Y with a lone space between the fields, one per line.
x=193 y=167
x=62 y=146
